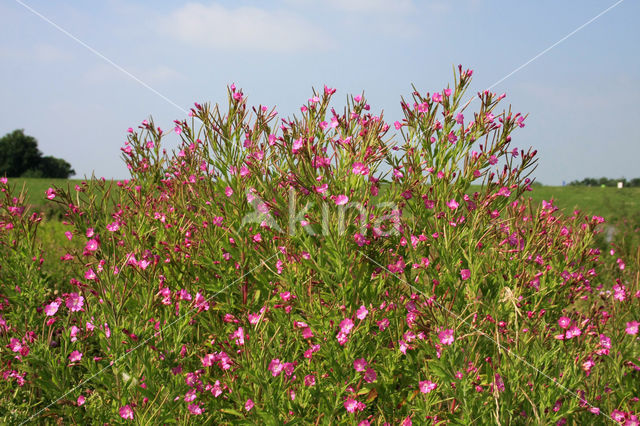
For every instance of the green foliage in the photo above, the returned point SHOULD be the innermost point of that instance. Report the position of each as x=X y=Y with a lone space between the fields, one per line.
x=20 y=157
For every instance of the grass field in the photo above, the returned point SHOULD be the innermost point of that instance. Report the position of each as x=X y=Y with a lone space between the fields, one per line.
x=611 y=203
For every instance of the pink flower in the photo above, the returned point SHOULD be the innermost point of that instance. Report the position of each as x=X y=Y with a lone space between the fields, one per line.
x=74 y=302
x=113 y=227
x=248 y=405
x=80 y=401
x=15 y=345
x=427 y=386
x=359 y=364
x=619 y=292
x=51 y=309
x=370 y=375
x=446 y=337
x=90 y=274
x=504 y=191
x=572 y=332
x=564 y=322
x=346 y=325
x=238 y=335
x=452 y=204
x=352 y=405
x=465 y=274
x=383 y=324
x=632 y=328
x=322 y=188
x=51 y=193
x=194 y=409
x=297 y=145
x=275 y=366
x=360 y=169
x=437 y=97
x=341 y=200
x=69 y=235
x=228 y=191
x=75 y=356
x=92 y=245
x=361 y=313
x=309 y=380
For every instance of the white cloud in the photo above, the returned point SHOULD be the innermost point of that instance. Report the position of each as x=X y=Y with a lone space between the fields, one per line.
x=246 y=28
x=372 y=5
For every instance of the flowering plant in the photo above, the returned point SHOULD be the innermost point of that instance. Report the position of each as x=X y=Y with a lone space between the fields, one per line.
x=316 y=269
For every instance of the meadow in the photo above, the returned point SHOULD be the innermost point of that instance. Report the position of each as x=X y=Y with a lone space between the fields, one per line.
x=611 y=203
x=264 y=274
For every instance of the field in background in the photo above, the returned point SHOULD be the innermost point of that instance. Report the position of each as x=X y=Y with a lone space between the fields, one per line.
x=611 y=203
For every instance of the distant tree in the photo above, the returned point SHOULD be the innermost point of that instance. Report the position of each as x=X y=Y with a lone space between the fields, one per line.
x=20 y=157
x=18 y=153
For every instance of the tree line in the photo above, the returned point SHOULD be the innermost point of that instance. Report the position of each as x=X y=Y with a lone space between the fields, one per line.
x=603 y=181
x=20 y=157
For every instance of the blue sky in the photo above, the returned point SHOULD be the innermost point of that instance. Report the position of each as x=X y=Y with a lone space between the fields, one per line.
x=582 y=95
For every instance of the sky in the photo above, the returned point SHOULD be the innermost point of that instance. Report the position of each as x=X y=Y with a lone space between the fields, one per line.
x=77 y=74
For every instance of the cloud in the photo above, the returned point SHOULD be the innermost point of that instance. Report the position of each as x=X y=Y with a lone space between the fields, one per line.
x=244 y=28
x=372 y=5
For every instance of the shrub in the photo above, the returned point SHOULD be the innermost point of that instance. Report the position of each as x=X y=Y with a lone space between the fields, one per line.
x=315 y=269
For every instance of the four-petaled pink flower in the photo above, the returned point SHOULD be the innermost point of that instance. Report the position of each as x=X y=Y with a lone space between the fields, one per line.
x=564 y=322
x=113 y=227
x=360 y=169
x=51 y=309
x=341 y=200
x=427 y=386
x=465 y=274
x=309 y=380
x=248 y=405
x=75 y=356
x=632 y=328
x=92 y=245
x=352 y=405
x=51 y=193
x=446 y=337
x=361 y=313
x=359 y=364
x=275 y=366
x=346 y=325
x=74 y=302
x=452 y=204
x=126 y=412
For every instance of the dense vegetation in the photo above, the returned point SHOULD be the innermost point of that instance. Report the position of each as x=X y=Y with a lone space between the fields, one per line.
x=259 y=274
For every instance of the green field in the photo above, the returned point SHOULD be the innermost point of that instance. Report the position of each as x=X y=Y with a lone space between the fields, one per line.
x=611 y=203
